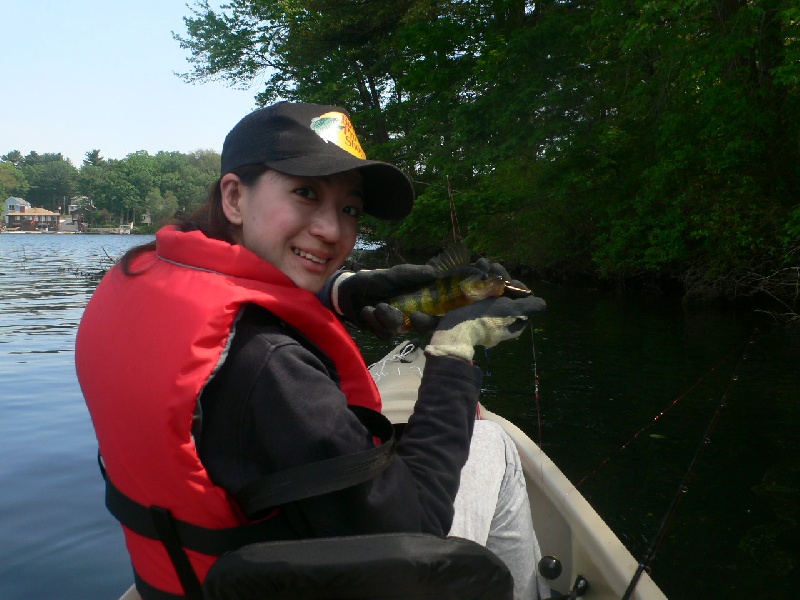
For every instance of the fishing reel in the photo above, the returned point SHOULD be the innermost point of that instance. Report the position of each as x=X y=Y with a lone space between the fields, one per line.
x=550 y=569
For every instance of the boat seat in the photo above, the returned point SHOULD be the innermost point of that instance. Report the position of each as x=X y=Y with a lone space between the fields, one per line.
x=370 y=567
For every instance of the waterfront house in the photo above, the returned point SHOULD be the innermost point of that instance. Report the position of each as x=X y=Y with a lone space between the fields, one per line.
x=31 y=219
x=13 y=204
x=80 y=209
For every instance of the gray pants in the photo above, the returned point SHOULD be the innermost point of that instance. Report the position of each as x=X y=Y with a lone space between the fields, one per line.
x=492 y=508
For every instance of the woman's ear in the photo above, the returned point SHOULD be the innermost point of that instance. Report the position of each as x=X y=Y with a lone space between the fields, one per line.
x=231 y=190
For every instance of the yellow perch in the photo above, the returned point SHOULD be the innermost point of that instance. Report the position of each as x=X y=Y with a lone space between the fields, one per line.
x=457 y=284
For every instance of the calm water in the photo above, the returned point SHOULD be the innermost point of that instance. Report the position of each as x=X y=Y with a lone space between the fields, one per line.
x=607 y=366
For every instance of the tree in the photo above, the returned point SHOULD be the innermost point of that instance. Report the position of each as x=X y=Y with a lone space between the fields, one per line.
x=92 y=180
x=14 y=157
x=52 y=179
x=334 y=52
x=94 y=159
x=187 y=178
x=704 y=122
x=624 y=139
x=161 y=208
x=12 y=181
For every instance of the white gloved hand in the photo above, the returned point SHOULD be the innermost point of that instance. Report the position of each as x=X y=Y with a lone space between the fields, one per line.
x=484 y=323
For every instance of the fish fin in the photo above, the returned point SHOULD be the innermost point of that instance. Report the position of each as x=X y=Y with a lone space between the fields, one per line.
x=451 y=258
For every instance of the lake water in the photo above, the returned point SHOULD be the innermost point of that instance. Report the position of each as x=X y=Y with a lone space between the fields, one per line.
x=607 y=366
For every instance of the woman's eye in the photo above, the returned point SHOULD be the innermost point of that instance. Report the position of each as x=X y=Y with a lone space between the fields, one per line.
x=306 y=192
x=352 y=211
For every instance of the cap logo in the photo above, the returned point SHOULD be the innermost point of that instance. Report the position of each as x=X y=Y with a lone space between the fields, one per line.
x=336 y=128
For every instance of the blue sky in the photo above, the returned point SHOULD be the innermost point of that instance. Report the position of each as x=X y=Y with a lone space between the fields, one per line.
x=89 y=74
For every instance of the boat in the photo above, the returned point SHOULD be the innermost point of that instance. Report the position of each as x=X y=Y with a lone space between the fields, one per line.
x=593 y=562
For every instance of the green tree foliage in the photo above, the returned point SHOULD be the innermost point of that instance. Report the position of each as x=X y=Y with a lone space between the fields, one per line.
x=617 y=137
x=186 y=178
x=52 y=180
x=12 y=181
x=721 y=174
x=332 y=52
x=161 y=208
x=117 y=190
x=94 y=159
x=15 y=157
x=159 y=185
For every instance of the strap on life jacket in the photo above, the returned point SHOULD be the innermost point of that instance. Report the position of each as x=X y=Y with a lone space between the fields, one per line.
x=303 y=481
x=324 y=476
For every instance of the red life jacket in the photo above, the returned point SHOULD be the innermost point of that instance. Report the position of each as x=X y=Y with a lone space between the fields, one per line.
x=146 y=347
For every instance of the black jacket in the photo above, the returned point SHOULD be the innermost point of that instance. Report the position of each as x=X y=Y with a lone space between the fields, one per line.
x=275 y=404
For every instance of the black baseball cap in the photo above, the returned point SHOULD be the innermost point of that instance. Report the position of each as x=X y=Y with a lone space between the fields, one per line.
x=314 y=140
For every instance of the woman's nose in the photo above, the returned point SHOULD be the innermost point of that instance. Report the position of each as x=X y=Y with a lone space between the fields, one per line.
x=325 y=224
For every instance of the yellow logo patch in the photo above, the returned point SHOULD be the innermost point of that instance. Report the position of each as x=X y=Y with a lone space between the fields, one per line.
x=336 y=128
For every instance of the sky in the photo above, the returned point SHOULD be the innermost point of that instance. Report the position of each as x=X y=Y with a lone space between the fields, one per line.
x=100 y=74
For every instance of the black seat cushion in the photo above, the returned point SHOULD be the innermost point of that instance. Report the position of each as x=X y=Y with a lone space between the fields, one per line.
x=371 y=567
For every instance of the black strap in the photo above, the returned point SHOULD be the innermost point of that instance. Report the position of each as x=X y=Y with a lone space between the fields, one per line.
x=177 y=536
x=324 y=476
x=214 y=542
x=163 y=522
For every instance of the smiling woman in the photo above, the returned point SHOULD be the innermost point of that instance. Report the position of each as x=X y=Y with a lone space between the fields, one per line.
x=251 y=373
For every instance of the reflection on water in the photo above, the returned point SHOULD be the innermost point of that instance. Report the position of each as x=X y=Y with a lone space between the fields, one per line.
x=607 y=365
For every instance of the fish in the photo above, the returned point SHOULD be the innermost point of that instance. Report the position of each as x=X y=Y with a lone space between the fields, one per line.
x=458 y=283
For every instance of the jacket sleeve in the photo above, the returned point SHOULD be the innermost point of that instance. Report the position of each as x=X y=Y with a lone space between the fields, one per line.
x=273 y=405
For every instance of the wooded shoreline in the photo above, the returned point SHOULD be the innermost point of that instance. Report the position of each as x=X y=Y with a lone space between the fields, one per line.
x=646 y=144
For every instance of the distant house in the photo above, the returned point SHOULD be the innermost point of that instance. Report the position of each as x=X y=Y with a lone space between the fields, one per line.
x=80 y=216
x=13 y=204
x=77 y=202
x=31 y=219
x=80 y=208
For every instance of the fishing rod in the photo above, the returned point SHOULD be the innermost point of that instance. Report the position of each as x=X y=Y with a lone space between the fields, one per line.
x=683 y=488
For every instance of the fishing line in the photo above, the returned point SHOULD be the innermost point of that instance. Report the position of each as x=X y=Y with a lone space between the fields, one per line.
x=536 y=387
x=453 y=217
x=655 y=420
x=683 y=488
x=538 y=407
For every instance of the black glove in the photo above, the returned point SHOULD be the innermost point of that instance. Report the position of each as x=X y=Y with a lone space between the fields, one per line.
x=385 y=320
x=492 y=268
x=484 y=323
x=361 y=297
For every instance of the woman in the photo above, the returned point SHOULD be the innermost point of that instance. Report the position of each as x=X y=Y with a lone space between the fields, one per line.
x=215 y=357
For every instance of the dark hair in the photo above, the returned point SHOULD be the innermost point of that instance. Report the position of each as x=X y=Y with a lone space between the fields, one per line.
x=209 y=218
